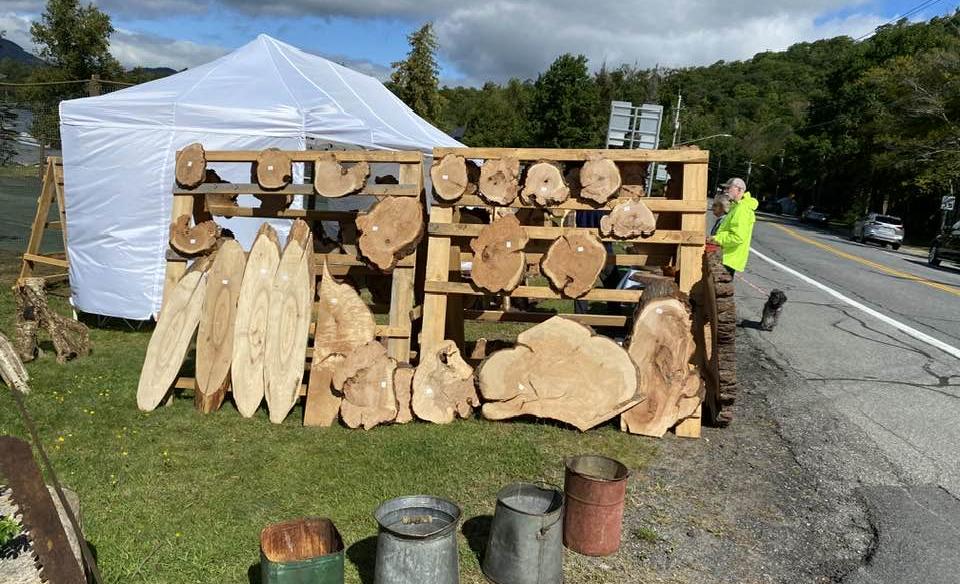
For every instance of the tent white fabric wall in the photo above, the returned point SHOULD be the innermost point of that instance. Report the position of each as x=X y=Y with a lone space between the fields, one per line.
x=119 y=151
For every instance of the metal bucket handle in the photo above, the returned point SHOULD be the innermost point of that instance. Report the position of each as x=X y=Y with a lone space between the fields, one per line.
x=546 y=485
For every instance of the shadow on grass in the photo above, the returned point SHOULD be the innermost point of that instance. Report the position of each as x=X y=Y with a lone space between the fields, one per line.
x=253 y=574
x=363 y=555
x=477 y=531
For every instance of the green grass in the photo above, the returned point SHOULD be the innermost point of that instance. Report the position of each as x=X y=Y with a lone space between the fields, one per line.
x=18 y=170
x=176 y=496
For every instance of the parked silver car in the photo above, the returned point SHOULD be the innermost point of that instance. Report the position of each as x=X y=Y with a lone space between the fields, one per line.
x=882 y=229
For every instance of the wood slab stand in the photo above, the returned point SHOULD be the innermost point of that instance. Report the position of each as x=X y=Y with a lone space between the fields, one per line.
x=558 y=181
x=389 y=266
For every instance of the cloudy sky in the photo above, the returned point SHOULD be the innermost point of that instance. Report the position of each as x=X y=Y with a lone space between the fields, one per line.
x=480 y=40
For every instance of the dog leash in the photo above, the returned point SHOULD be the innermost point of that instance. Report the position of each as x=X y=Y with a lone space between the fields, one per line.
x=754 y=286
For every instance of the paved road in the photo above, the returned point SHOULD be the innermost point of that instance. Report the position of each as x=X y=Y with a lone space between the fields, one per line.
x=880 y=406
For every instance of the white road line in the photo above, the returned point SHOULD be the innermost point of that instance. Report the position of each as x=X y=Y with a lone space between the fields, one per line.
x=920 y=336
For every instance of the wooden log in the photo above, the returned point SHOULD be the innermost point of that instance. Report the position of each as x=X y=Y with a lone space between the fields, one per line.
x=573 y=263
x=70 y=338
x=443 y=386
x=171 y=337
x=628 y=220
x=500 y=180
x=12 y=371
x=344 y=322
x=453 y=177
x=288 y=323
x=191 y=166
x=723 y=314
x=215 y=339
x=561 y=370
x=365 y=378
x=544 y=185
x=331 y=179
x=498 y=259
x=662 y=346
x=599 y=179
x=250 y=329
x=192 y=241
x=272 y=169
x=403 y=386
x=390 y=231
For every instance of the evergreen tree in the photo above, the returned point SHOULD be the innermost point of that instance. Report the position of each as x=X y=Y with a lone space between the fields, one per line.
x=415 y=80
x=566 y=112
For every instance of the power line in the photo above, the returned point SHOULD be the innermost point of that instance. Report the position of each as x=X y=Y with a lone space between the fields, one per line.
x=909 y=13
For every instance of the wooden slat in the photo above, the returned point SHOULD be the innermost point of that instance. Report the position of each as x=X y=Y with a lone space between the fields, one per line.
x=540 y=292
x=600 y=320
x=312 y=155
x=691 y=258
x=437 y=268
x=54 y=225
x=578 y=154
x=383 y=331
x=46 y=260
x=404 y=190
x=175 y=268
x=550 y=233
x=623 y=260
x=314 y=215
x=402 y=283
x=340 y=259
x=655 y=204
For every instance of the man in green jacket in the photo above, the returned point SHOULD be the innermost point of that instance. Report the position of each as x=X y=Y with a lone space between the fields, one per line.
x=736 y=228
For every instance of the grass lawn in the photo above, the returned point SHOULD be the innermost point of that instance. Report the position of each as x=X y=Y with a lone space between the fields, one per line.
x=175 y=496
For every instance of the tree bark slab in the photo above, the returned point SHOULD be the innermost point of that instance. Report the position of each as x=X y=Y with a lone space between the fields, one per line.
x=599 y=179
x=366 y=378
x=171 y=338
x=331 y=179
x=500 y=180
x=191 y=167
x=453 y=177
x=629 y=219
x=70 y=338
x=561 y=370
x=662 y=346
x=390 y=231
x=443 y=386
x=215 y=338
x=573 y=263
x=498 y=259
x=544 y=185
x=193 y=241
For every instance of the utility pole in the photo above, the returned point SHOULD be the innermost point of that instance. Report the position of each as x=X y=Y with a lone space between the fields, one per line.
x=676 y=120
x=776 y=195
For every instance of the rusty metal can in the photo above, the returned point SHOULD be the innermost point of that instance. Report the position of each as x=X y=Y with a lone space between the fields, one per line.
x=595 y=489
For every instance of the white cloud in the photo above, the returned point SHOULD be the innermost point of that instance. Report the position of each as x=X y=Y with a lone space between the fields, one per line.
x=16 y=28
x=143 y=50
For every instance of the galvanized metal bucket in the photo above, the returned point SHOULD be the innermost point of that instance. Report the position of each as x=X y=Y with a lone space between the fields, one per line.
x=595 y=487
x=526 y=541
x=417 y=542
x=301 y=551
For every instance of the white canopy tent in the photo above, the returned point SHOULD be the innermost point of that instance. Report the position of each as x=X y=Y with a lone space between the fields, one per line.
x=119 y=152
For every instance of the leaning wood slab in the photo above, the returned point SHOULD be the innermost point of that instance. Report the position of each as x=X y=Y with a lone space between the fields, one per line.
x=344 y=322
x=288 y=322
x=171 y=338
x=544 y=185
x=599 y=179
x=191 y=166
x=331 y=179
x=215 y=339
x=628 y=220
x=498 y=259
x=250 y=328
x=453 y=177
x=500 y=180
x=443 y=386
x=403 y=386
x=574 y=262
x=661 y=346
x=192 y=241
x=560 y=370
x=390 y=231
x=273 y=169
x=365 y=377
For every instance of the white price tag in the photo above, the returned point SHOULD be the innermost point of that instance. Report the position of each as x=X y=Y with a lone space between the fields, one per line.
x=376 y=228
x=509 y=244
x=445 y=177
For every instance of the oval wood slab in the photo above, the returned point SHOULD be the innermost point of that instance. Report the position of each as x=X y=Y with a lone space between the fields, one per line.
x=171 y=338
x=250 y=327
x=288 y=322
x=215 y=339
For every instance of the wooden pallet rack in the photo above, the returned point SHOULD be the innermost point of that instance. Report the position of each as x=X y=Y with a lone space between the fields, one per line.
x=678 y=242
x=51 y=193
x=399 y=310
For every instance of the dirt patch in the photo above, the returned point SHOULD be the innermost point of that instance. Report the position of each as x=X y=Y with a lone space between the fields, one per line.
x=736 y=506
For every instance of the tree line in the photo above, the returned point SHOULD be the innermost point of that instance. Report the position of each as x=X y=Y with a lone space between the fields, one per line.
x=847 y=125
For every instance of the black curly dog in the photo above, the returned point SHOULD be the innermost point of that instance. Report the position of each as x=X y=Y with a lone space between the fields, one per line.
x=772 y=309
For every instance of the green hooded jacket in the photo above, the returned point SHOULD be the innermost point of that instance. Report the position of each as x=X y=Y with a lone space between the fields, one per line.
x=735 y=231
